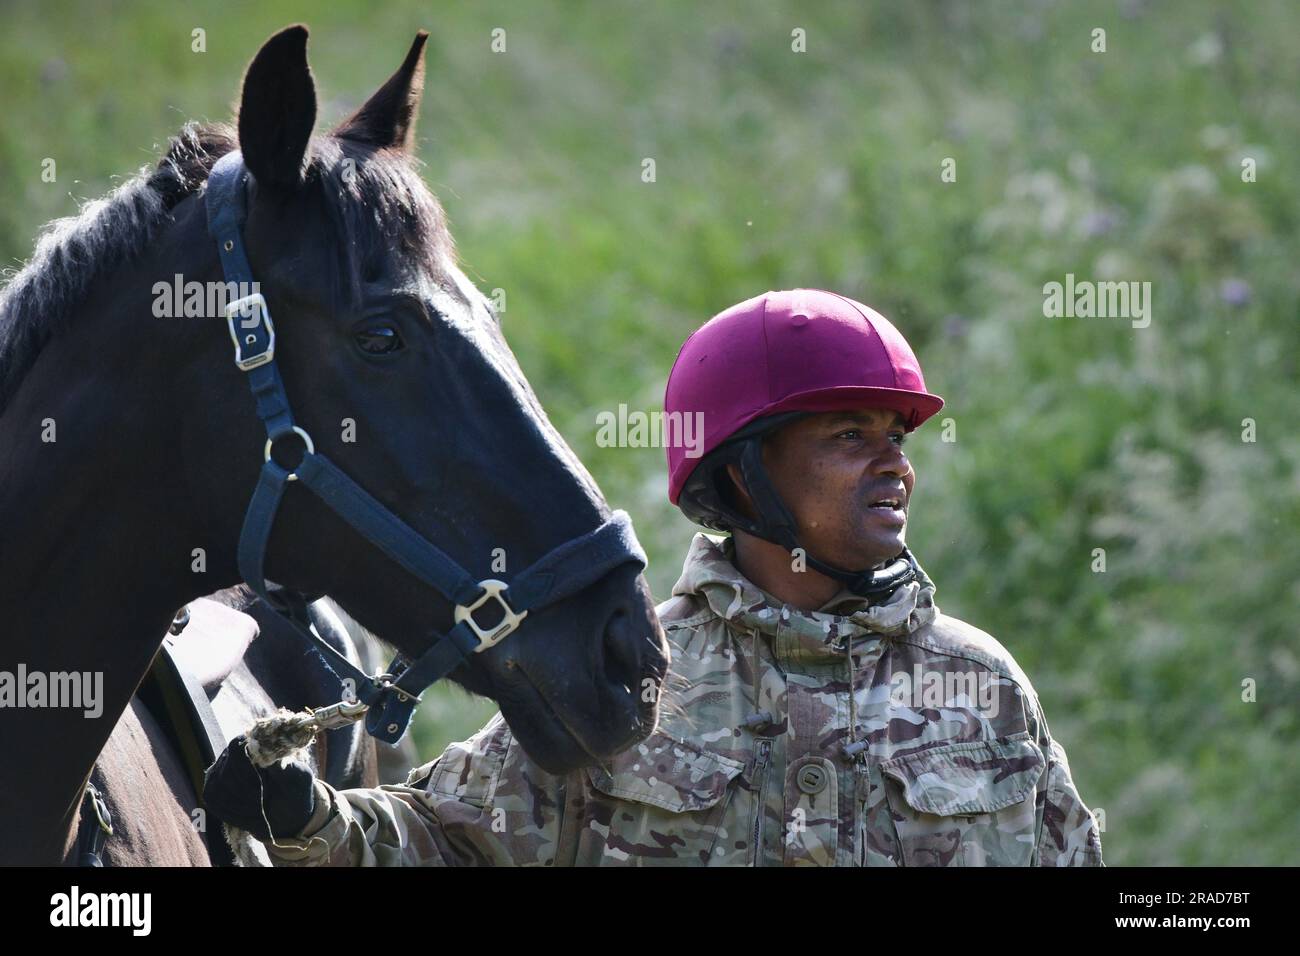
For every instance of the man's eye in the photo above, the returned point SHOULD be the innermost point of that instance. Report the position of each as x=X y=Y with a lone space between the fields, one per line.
x=379 y=340
x=898 y=438
x=852 y=433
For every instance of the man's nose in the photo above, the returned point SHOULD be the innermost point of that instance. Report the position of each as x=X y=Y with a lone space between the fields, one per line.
x=891 y=462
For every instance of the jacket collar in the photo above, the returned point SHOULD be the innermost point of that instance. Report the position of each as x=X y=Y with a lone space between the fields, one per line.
x=797 y=636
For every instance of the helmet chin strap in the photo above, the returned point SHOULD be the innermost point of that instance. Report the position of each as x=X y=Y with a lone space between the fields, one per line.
x=776 y=524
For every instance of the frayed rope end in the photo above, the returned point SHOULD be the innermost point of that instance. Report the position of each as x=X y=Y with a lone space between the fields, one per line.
x=282 y=734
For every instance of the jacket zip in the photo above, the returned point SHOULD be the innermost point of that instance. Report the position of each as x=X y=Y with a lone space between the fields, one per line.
x=760 y=771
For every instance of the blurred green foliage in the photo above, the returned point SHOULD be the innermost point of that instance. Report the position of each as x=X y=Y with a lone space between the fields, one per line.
x=777 y=169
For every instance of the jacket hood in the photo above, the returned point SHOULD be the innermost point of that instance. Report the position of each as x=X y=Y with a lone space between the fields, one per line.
x=798 y=635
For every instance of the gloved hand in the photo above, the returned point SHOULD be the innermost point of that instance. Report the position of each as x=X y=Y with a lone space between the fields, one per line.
x=250 y=797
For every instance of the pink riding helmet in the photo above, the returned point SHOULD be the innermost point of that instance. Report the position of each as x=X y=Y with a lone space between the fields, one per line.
x=801 y=350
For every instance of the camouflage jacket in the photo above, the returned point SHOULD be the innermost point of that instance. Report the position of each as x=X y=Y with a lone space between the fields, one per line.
x=890 y=735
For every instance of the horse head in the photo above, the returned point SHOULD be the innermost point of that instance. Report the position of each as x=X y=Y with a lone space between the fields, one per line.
x=398 y=375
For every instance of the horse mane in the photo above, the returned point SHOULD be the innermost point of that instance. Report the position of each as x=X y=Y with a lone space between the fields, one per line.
x=372 y=197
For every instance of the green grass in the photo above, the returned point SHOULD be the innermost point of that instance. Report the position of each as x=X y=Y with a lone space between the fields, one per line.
x=821 y=169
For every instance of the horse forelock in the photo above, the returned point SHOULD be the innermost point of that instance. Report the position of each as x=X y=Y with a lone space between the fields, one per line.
x=380 y=208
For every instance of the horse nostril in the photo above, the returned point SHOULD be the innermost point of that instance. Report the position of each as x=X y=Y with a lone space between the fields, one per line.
x=621 y=652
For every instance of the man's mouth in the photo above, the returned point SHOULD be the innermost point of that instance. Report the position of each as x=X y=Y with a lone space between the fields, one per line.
x=889 y=511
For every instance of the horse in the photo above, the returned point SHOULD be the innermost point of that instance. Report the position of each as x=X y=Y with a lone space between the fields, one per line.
x=131 y=448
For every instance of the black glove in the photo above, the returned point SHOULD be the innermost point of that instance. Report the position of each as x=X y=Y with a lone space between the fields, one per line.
x=250 y=797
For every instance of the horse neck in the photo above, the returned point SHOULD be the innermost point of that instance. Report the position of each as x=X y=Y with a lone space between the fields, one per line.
x=97 y=545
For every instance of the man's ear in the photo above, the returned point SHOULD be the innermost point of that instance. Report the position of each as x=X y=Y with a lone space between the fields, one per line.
x=740 y=492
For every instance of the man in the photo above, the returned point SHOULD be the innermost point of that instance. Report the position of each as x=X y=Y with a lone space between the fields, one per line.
x=819 y=710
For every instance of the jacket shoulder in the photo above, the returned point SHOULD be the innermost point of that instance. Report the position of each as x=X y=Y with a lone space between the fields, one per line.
x=952 y=637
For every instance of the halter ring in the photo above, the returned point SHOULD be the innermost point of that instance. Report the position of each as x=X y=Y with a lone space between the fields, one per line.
x=306 y=440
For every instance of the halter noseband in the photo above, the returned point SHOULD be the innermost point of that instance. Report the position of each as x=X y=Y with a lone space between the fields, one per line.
x=389 y=700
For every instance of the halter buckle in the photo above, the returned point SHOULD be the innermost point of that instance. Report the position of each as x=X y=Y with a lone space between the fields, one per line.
x=253 y=333
x=510 y=620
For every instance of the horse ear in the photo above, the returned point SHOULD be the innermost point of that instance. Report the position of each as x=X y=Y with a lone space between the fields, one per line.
x=277 y=110
x=388 y=118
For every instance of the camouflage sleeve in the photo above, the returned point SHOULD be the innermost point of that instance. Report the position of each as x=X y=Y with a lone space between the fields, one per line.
x=480 y=803
x=1067 y=832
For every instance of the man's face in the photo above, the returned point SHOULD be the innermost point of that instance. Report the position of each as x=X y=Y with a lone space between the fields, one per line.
x=844 y=477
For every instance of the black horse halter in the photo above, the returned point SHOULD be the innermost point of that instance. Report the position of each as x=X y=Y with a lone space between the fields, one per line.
x=388 y=700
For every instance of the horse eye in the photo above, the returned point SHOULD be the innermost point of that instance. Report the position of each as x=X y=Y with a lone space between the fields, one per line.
x=379 y=340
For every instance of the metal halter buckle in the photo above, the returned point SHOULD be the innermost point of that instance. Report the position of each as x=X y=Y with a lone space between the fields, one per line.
x=244 y=337
x=510 y=620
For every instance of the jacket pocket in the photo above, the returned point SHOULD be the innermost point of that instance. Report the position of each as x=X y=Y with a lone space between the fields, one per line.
x=665 y=801
x=966 y=804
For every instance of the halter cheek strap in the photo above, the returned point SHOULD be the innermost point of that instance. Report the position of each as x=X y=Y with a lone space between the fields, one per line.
x=389 y=699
